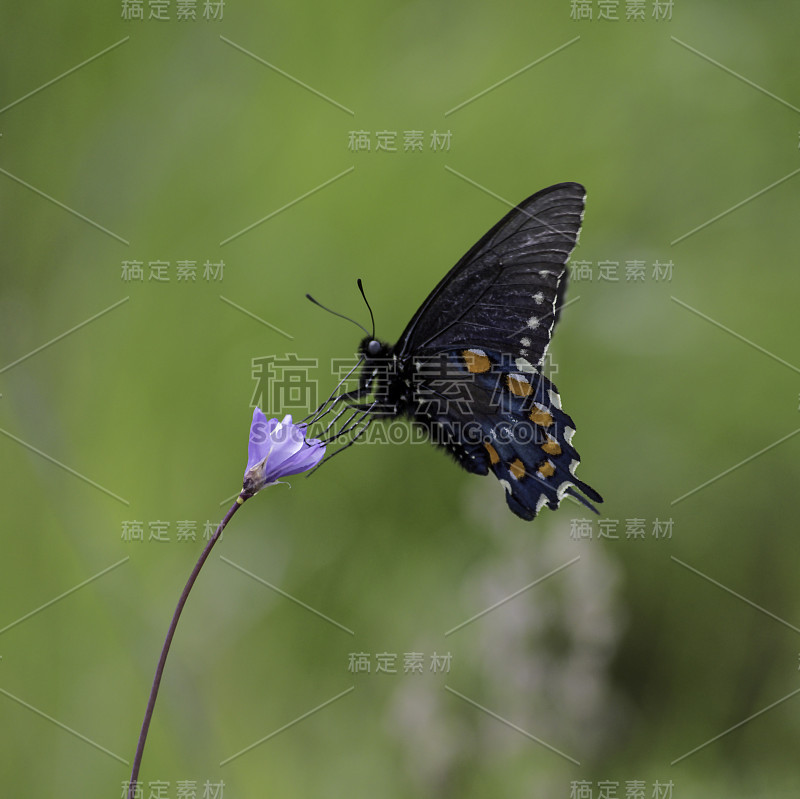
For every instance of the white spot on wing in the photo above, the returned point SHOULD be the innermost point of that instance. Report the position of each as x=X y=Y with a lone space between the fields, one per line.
x=542 y=501
x=506 y=485
x=480 y=353
x=525 y=366
x=562 y=489
x=568 y=433
x=533 y=322
x=573 y=465
x=538 y=298
x=554 y=398
x=525 y=341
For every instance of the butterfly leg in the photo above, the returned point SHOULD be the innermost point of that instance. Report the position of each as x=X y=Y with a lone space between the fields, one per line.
x=326 y=407
x=359 y=413
x=344 y=446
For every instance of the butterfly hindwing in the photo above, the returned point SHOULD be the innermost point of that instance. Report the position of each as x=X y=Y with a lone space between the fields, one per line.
x=535 y=459
x=490 y=416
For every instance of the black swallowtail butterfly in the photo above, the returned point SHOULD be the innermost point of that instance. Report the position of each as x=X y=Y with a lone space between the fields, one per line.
x=467 y=366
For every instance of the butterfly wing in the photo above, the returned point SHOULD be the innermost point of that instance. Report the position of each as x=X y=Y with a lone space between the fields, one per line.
x=490 y=416
x=505 y=293
x=473 y=349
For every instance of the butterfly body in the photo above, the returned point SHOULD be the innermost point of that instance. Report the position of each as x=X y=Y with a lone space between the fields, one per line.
x=467 y=368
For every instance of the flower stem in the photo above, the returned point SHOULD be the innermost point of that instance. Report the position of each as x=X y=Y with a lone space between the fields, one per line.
x=151 y=702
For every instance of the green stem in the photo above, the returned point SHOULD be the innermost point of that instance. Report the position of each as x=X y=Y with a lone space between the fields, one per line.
x=151 y=702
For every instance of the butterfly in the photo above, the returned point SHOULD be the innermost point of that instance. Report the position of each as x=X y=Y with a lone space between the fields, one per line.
x=467 y=368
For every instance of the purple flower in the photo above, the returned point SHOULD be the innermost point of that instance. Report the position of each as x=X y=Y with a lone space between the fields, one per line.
x=277 y=449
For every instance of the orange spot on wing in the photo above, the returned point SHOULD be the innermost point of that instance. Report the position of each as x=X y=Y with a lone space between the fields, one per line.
x=493 y=456
x=547 y=469
x=540 y=417
x=552 y=447
x=477 y=362
x=518 y=386
x=517 y=469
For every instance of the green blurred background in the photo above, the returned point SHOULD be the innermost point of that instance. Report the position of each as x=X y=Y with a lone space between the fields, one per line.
x=175 y=140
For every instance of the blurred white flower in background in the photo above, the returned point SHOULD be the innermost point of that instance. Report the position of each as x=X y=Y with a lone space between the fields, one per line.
x=540 y=660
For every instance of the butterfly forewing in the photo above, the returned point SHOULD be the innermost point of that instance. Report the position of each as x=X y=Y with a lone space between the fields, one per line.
x=504 y=292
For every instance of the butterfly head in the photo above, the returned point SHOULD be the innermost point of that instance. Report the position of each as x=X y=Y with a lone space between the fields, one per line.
x=371 y=348
x=379 y=374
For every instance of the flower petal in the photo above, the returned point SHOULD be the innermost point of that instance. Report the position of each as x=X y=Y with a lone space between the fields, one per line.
x=260 y=433
x=308 y=456
x=277 y=449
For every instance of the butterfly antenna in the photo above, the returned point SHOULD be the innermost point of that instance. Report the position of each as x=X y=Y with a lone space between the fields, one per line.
x=341 y=315
x=361 y=289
